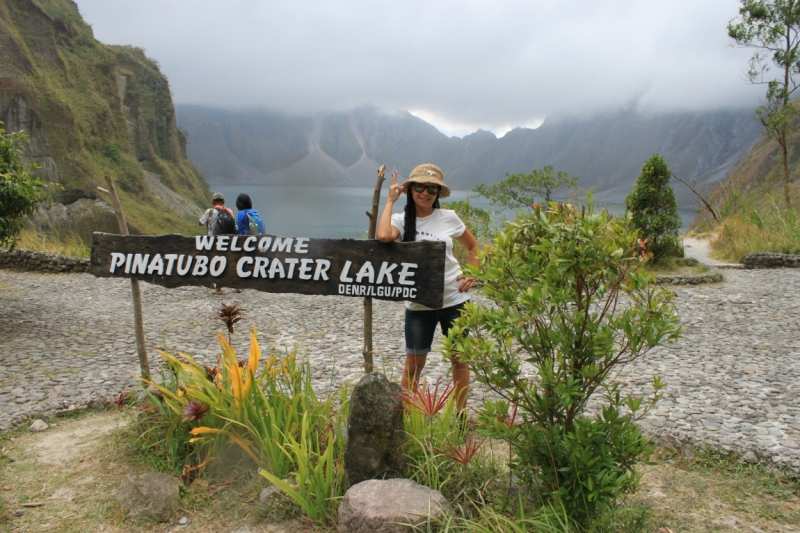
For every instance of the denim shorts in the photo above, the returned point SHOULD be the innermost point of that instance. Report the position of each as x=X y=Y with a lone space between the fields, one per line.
x=421 y=325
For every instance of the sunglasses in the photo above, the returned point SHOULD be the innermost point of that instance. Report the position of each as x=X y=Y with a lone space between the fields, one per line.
x=432 y=189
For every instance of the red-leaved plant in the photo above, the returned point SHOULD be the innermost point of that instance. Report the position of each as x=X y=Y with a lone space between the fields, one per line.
x=426 y=401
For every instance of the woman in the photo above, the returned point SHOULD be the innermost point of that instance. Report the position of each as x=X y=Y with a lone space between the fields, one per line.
x=422 y=220
x=248 y=221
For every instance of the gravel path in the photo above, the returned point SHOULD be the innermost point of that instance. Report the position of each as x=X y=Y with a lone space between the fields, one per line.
x=732 y=378
x=700 y=248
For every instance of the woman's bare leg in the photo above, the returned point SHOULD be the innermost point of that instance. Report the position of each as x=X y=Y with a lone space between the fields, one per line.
x=461 y=382
x=412 y=371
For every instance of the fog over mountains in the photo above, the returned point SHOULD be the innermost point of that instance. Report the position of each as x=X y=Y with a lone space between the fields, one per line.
x=606 y=151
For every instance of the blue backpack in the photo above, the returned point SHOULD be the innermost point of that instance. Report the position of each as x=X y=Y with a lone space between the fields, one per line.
x=255 y=222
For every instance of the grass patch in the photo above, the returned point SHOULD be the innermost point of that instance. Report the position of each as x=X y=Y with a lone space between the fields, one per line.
x=154 y=218
x=69 y=244
x=676 y=267
x=754 y=229
x=716 y=491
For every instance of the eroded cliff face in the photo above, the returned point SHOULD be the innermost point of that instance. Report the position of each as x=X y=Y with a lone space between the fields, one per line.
x=92 y=110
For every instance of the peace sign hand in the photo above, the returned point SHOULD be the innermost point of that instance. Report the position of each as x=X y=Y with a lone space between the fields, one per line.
x=395 y=190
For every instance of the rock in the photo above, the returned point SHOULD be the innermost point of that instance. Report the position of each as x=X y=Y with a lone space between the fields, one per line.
x=771 y=260
x=275 y=503
x=38 y=425
x=268 y=494
x=82 y=216
x=375 y=433
x=97 y=405
x=750 y=457
x=389 y=506
x=183 y=521
x=150 y=497
x=19 y=512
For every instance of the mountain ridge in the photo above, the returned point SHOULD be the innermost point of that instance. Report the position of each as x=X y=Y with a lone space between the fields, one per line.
x=606 y=151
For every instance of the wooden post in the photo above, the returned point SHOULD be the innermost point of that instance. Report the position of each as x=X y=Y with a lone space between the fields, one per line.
x=373 y=223
x=138 y=322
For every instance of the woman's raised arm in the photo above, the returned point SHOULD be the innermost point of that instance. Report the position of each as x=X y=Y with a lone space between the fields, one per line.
x=385 y=232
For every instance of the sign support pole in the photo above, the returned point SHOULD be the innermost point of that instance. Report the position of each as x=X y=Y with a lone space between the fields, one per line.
x=373 y=223
x=144 y=363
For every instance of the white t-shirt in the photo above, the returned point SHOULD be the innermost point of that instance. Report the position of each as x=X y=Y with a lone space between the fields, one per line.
x=441 y=225
x=209 y=218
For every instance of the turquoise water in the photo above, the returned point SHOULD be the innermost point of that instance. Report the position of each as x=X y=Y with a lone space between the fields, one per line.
x=335 y=212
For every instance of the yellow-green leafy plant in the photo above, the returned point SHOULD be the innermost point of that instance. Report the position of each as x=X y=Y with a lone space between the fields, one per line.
x=319 y=474
x=259 y=406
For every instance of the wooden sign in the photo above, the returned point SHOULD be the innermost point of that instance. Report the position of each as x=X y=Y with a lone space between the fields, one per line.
x=346 y=267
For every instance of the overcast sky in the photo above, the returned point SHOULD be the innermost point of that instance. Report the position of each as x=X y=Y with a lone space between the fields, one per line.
x=460 y=64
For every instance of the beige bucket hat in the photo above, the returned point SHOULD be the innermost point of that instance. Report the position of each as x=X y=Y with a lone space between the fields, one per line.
x=432 y=174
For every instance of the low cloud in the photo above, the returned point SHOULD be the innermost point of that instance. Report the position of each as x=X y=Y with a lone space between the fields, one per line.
x=467 y=63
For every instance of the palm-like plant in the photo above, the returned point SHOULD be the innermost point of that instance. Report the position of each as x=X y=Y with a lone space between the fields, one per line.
x=428 y=401
x=229 y=315
x=193 y=410
x=463 y=453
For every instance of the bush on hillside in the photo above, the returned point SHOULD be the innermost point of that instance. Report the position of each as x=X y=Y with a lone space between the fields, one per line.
x=571 y=301
x=20 y=193
x=654 y=210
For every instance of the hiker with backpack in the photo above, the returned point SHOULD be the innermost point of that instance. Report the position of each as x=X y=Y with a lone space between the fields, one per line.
x=248 y=221
x=219 y=220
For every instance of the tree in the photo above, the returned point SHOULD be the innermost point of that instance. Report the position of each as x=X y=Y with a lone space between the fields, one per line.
x=654 y=210
x=773 y=28
x=20 y=193
x=551 y=341
x=523 y=190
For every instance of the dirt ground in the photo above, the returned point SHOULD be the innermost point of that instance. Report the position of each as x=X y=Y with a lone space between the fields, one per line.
x=73 y=470
x=684 y=498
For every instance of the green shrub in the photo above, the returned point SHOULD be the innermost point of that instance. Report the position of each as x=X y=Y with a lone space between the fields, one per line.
x=113 y=153
x=570 y=299
x=20 y=193
x=654 y=210
x=160 y=440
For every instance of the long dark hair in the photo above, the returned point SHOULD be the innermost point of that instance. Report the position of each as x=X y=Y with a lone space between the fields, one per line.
x=410 y=218
x=244 y=202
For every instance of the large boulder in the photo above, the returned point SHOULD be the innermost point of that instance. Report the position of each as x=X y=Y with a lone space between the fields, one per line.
x=389 y=506
x=149 y=497
x=82 y=217
x=375 y=434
